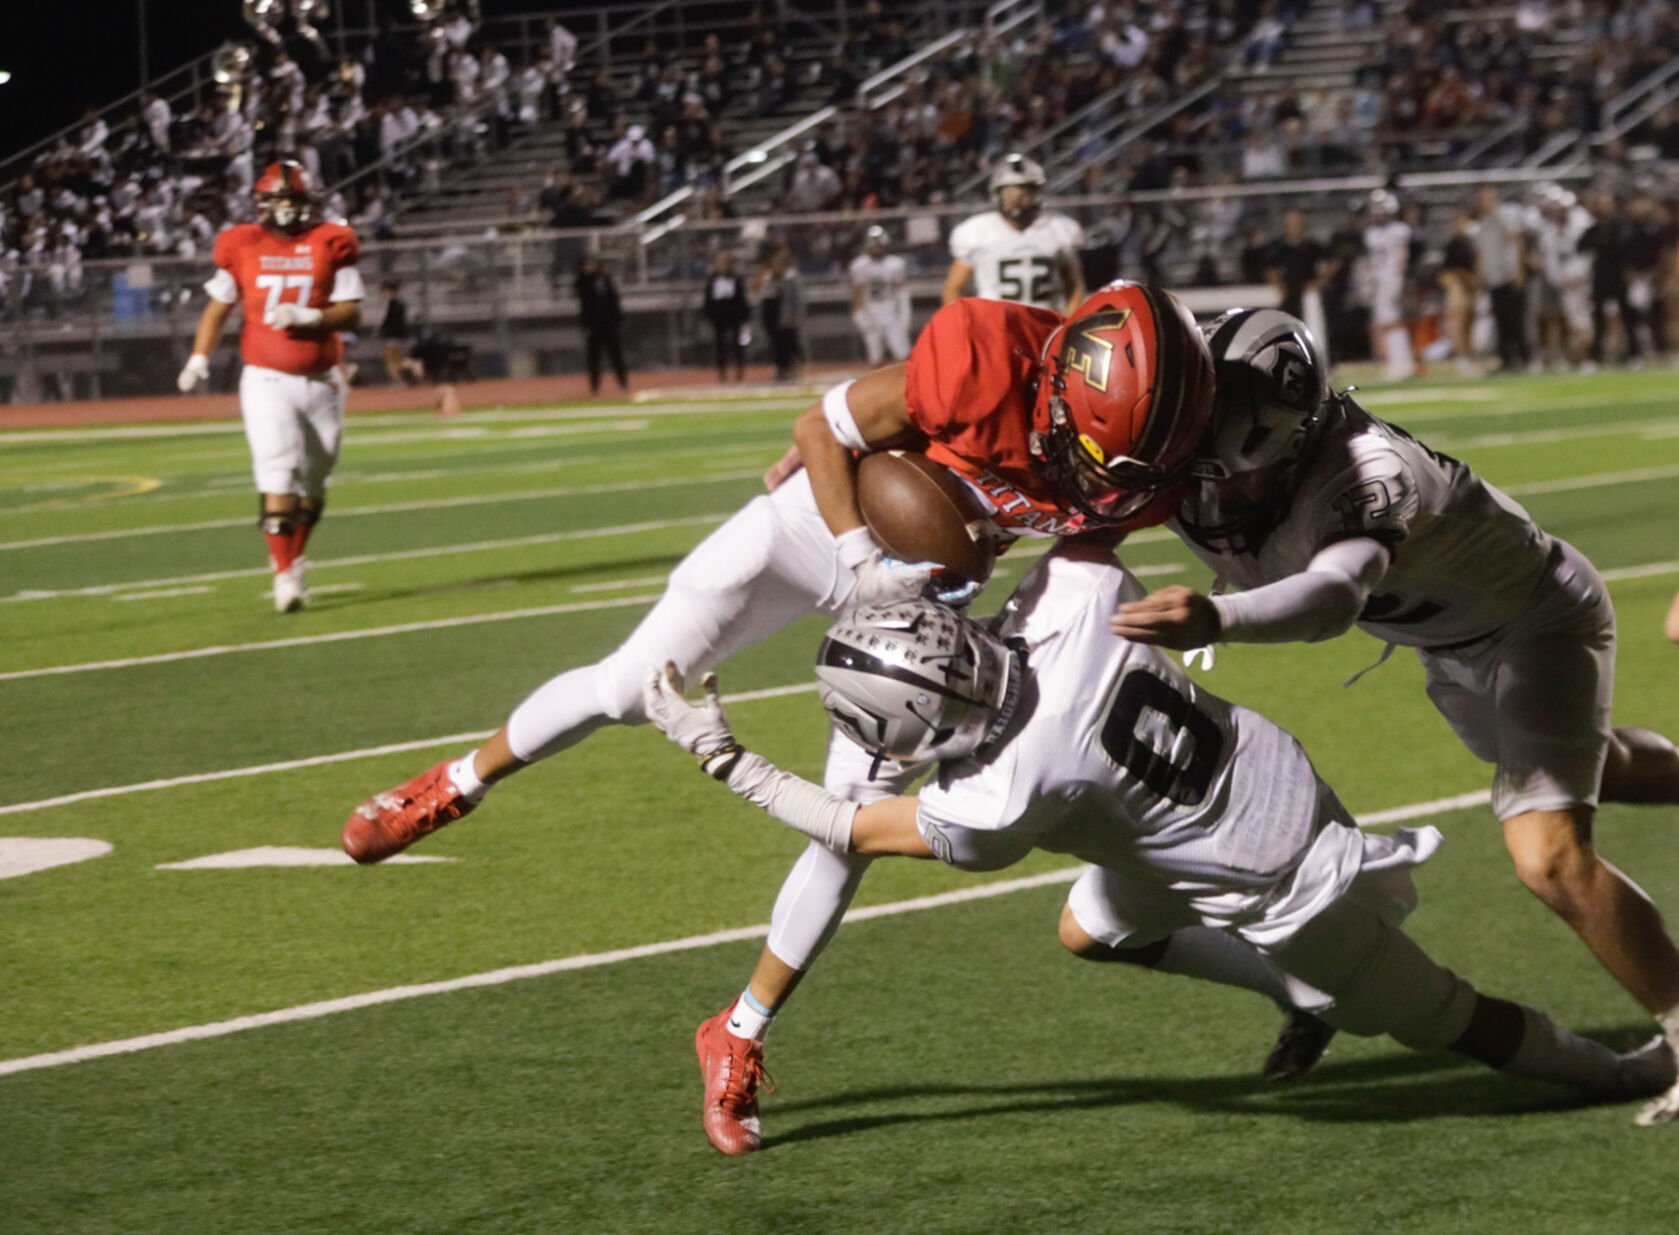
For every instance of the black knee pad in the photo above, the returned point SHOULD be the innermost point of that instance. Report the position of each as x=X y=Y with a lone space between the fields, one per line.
x=308 y=515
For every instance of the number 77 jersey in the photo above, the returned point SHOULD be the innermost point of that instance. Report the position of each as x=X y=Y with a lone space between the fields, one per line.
x=1115 y=756
x=261 y=270
x=1019 y=265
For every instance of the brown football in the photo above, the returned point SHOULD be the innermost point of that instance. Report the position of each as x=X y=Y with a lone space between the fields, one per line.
x=920 y=511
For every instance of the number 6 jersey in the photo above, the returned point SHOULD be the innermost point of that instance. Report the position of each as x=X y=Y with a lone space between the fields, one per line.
x=1115 y=756
x=1011 y=264
x=260 y=270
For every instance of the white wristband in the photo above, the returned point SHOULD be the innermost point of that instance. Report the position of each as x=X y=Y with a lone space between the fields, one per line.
x=841 y=423
x=802 y=806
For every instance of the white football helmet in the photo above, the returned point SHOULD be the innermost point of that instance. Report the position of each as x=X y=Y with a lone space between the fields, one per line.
x=915 y=681
x=874 y=241
x=1018 y=170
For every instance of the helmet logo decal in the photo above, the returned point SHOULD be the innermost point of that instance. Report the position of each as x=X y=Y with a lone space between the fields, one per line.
x=1088 y=353
x=1092 y=449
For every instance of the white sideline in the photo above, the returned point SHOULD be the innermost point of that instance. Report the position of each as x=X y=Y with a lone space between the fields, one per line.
x=370 y=559
x=542 y=969
x=392 y=508
x=315 y=761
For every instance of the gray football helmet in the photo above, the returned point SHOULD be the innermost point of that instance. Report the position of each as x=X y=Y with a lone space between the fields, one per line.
x=1269 y=408
x=914 y=681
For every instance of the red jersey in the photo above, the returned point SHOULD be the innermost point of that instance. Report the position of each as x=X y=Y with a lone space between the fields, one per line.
x=969 y=386
x=265 y=269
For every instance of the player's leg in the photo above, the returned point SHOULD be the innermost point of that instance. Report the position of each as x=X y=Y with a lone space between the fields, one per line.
x=772 y=562
x=322 y=428
x=272 y=406
x=1111 y=918
x=1671 y=627
x=897 y=336
x=808 y=910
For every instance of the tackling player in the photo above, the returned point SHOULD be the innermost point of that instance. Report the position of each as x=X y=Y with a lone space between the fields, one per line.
x=1216 y=850
x=1019 y=251
x=294 y=276
x=1327 y=517
x=880 y=298
x=1039 y=414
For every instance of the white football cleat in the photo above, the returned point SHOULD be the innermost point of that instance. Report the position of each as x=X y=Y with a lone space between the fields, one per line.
x=1653 y=1069
x=291 y=588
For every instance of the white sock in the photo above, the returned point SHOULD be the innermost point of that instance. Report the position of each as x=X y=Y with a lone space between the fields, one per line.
x=1551 y=1053
x=465 y=779
x=750 y=1019
x=1202 y=952
x=1399 y=360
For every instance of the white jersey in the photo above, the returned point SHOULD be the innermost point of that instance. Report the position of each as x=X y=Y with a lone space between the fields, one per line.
x=879 y=277
x=1466 y=557
x=1014 y=264
x=1115 y=756
x=1563 y=261
x=1389 y=246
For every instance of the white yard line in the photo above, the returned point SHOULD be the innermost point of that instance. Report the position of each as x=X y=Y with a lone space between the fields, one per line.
x=392 y=508
x=368 y=559
x=593 y=960
x=166 y=594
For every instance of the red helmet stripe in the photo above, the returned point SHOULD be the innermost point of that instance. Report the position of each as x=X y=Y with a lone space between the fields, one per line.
x=1169 y=378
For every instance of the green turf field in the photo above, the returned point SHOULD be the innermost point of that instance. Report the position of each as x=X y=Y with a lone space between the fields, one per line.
x=943 y=1070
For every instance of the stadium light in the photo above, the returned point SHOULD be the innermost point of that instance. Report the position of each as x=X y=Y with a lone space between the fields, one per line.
x=5 y=76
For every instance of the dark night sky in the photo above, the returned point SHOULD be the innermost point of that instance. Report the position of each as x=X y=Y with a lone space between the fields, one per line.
x=66 y=54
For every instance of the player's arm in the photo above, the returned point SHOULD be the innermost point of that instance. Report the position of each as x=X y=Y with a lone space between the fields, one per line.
x=1072 y=278
x=956 y=281
x=1320 y=602
x=856 y=297
x=864 y=415
x=878 y=829
x=223 y=292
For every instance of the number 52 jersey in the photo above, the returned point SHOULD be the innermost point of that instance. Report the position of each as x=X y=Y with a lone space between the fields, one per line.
x=260 y=270
x=1014 y=264
x=1115 y=756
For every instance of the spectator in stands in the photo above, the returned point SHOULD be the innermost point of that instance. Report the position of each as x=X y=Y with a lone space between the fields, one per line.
x=630 y=160
x=601 y=316
x=1459 y=285
x=1610 y=242
x=726 y=308
x=781 y=304
x=562 y=45
x=396 y=336
x=814 y=185
x=1500 y=269
x=1296 y=271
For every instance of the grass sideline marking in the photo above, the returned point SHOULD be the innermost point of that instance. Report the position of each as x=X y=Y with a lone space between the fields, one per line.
x=392 y=508
x=617 y=956
x=370 y=559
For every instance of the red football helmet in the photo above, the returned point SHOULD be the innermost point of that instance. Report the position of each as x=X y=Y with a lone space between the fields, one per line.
x=1124 y=401
x=284 y=196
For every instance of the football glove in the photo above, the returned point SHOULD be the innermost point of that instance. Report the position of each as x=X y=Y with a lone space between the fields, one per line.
x=702 y=731
x=196 y=370
x=883 y=580
x=286 y=316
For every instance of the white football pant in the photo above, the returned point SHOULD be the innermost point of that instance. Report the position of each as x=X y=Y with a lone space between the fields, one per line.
x=293 y=424
x=883 y=329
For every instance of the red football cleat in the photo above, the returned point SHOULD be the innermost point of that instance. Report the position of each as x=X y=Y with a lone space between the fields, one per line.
x=389 y=822
x=732 y=1068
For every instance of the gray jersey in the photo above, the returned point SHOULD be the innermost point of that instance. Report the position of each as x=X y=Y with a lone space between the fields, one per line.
x=879 y=277
x=1467 y=559
x=1023 y=265
x=1115 y=756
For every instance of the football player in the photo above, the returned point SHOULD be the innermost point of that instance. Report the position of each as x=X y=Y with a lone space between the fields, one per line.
x=880 y=298
x=1327 y=517
x=1039 y=414
x=1019 y=251
x=1387 y=242
x=1215 y=849
x=294 y=276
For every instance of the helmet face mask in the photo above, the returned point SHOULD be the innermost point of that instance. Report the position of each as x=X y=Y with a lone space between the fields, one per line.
x=915 y=681
x=1272 y=388
x=1124 y=399
x=284 y=197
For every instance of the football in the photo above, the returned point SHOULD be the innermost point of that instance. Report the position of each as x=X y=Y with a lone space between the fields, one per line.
x=921 y=511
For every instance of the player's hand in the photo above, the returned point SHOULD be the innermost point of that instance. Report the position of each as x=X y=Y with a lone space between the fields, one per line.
x=287 y=316
x=783 y=469
x=702 y=731
x=883 y=580
x=196 y=370
x=1174 y=617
